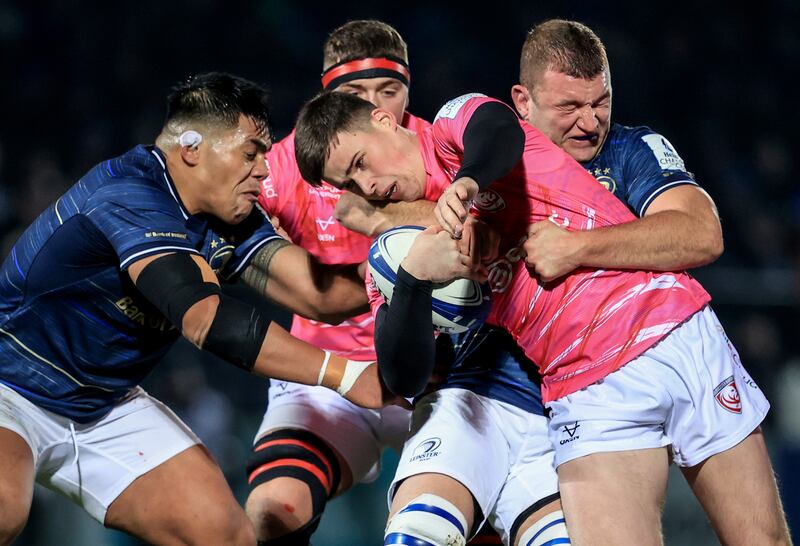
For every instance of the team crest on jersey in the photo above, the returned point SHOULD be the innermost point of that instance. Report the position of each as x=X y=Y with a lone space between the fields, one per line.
x=426 y=449
x=664 y=153
x=608 y=183
x=452 y=107
x=602 y=176
x=727 y=396
x=501 y=271
x=219 y=252
x=489 y=201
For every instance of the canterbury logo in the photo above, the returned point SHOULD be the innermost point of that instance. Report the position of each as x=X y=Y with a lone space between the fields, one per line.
x=325 y=224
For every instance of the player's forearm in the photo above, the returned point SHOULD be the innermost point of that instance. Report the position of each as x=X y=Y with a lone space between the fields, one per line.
x=664 y=241
x=287 y=358
x=342 y=294
x=415 y=213
x=373 y=218
x=331 y=296
x=283 y=356
x=296 y=280
x=404 y=341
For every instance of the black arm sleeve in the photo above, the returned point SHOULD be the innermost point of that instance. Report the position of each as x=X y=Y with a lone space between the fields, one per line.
x=404 y=341
x=493 y=144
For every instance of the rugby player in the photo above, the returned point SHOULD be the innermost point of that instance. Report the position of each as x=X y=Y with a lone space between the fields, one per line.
x=312 y=444
x=518 y=492
x=632 y=361
x=102 y=283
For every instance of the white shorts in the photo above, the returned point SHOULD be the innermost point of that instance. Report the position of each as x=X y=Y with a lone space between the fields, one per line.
x=357 y=434
x=499 y=452
x=92 y=464
x=689 y=391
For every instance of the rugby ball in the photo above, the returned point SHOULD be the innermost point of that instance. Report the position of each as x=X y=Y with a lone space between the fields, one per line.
x=458 y=305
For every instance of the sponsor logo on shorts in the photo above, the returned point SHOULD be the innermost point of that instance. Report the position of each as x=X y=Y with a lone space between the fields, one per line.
x=426 y=449
x=727 y=396
x=489 y=201
x=569 y=433
x=280 y=388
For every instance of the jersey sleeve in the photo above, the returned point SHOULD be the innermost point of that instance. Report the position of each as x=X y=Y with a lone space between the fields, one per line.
x=284 y=176
x=652 y=166
x=139 y=220
x=452 y=119
x=252 y=235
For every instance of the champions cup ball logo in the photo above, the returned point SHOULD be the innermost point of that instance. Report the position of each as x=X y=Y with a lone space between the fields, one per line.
x=727 y=395
x=489 y=201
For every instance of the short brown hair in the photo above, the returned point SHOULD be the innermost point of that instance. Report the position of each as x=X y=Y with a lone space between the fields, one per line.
x=362 y=39
x=320 y=120
x=564 y=46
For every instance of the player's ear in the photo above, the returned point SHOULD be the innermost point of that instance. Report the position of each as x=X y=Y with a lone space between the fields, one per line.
x=190 y=142
x=384 y=118
x=190 y=156
x=520 y=96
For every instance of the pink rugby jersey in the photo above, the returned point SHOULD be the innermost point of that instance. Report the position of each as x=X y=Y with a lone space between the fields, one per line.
x=583 y=326
x=307 y=215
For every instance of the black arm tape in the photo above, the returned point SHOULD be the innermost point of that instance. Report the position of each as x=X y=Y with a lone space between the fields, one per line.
x=493 y=144
x=173 y=283
x=404 y=342
x=237 y=332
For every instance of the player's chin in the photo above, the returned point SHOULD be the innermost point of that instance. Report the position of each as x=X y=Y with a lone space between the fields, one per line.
x=241 y=212
x=581 y=151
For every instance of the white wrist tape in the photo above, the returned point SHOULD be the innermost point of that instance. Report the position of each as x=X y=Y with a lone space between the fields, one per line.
x=324 y=367
x=352 y=370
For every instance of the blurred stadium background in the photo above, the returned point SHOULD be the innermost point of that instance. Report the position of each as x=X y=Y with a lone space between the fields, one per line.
x=86 y=81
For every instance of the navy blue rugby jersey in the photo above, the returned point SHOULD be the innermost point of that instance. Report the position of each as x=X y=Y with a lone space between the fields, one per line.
x=487 y=361
x=637 y=165
x=75 y=333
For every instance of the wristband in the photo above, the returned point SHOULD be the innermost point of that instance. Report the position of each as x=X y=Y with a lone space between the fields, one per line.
x=352 y=371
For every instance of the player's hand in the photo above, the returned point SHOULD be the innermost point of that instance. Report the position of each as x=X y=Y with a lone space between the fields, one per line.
x=359 y=215
x=479 y=241
x=552 y=251
x=435 y=256
x=369 y=391
x=453 y=207
x=276 y=223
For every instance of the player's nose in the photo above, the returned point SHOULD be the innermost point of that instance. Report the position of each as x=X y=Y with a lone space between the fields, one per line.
x=587 y=119
x=261 y=169
x=366 y=184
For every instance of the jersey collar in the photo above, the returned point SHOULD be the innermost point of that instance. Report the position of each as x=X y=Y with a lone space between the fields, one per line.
x=162 y=161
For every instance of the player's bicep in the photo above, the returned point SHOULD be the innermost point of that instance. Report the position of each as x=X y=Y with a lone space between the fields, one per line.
x=687 y=198
x=183 y=287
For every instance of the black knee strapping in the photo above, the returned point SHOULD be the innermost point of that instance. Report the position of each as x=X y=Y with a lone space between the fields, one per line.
x=297 y=454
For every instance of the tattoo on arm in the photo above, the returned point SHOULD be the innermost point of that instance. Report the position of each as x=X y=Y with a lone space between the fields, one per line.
x=256 y=274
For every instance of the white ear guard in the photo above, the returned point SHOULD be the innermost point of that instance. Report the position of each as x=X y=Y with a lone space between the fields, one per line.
x=190 y=138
